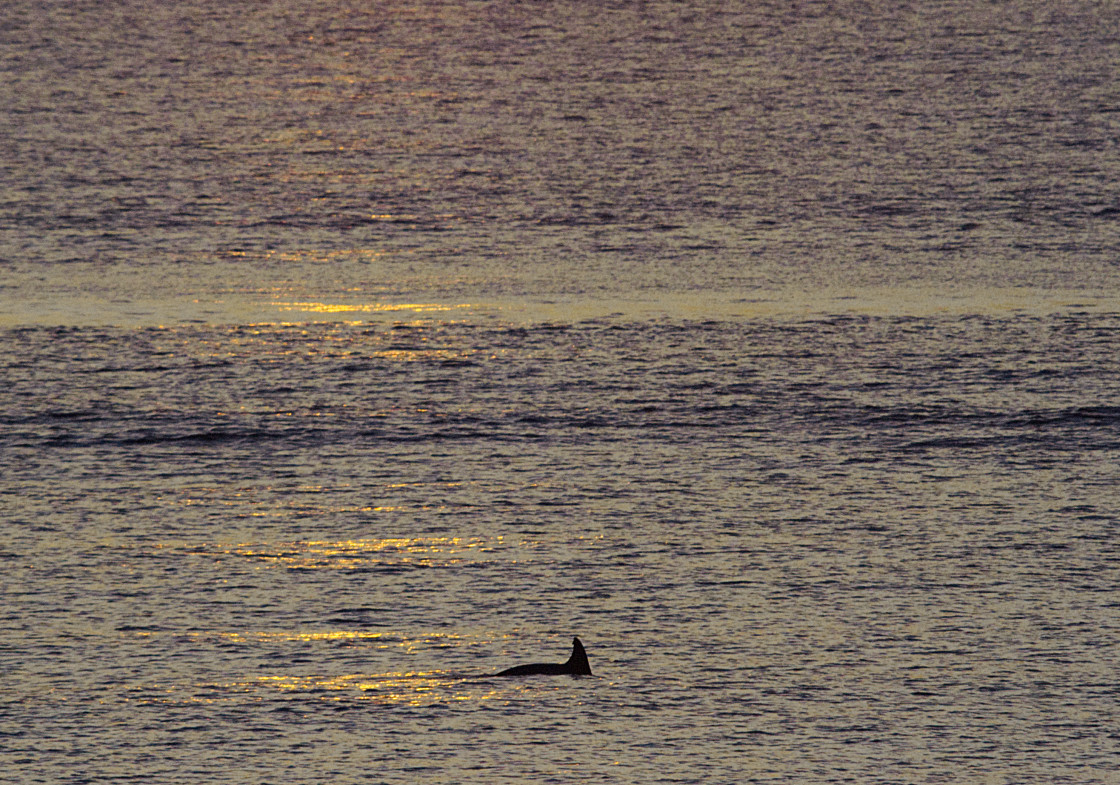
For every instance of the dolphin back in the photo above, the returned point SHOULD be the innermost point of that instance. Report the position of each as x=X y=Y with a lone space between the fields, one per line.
x=577 y=665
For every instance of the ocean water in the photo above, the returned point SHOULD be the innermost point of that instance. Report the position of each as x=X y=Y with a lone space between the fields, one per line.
x=356 y=351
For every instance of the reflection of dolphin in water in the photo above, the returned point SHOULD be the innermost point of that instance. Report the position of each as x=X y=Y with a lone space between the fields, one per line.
x=577 y=665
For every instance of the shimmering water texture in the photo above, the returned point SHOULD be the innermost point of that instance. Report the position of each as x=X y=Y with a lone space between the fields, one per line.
x=356 y=351
x=206 y=160
x=871 y=548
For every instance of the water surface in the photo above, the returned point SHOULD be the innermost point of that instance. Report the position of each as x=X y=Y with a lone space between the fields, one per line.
x=354 y=352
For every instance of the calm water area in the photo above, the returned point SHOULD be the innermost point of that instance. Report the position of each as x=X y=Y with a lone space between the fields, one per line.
x=356 y=351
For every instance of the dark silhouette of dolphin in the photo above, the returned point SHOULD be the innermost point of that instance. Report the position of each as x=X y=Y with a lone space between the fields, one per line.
x=577 y=665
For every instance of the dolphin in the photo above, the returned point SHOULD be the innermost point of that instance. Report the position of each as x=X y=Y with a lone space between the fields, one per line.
x=576 y=665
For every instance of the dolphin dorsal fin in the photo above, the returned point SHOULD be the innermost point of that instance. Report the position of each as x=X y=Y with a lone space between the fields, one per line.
x=577 y=663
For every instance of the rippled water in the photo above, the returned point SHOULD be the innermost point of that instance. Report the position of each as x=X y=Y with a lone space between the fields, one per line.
x=356 y=352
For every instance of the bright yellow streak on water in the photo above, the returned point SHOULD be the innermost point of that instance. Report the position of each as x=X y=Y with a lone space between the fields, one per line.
x=412 y=688
x=402 y=688
x=352 y=554
x=244 y=307
x=321 y=308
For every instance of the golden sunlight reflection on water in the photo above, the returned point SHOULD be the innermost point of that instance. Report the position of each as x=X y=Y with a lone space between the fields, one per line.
x=364 y=553
x=263 y=306
x=729 y=305
x=405 y=687
x=334 y=308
